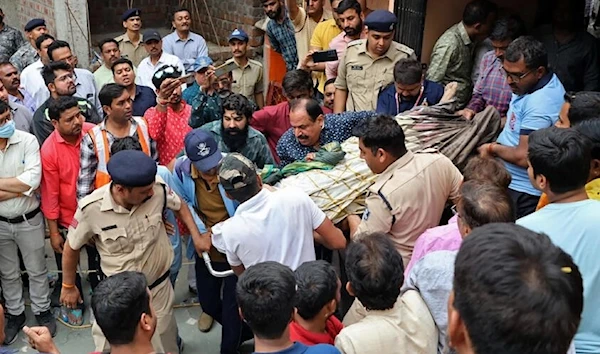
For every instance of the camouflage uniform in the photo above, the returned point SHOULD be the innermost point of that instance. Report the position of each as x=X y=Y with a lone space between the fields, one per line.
x=205 y=109
x=25 y=56
x=10 y=41
x=256 y=148
x=452 y=60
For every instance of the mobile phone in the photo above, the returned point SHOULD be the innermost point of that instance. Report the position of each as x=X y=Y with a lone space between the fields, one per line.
x=325 y=56
x=185 y=77
x=225 y=69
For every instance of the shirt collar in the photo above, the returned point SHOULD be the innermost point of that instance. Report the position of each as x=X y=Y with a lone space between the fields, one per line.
x=462 y=31
x=15 y=138
x=389 y=171
x=61 y=140
x=260 y=196
x=543 y=82
x=108 y=203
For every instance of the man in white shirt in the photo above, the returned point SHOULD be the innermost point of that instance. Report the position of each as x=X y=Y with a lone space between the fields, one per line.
x=277 y=226
x=156 y=59
x=21 y=227
x=31 y=76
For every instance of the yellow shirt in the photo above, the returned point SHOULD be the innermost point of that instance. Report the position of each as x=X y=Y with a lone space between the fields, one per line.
x=322 y=36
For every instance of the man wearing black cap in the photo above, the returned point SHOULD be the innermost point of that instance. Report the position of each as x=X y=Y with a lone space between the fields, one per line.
x=368 y=65
x=27 y=54
x=248 y=75
x=156 y=58
x=130 y=43
x=124 y=219
x=196 y=181
x=10 y=39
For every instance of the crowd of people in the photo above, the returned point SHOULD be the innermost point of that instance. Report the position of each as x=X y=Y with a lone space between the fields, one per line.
x=159 y=156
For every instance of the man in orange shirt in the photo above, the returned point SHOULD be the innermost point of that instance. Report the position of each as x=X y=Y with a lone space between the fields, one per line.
x=60 y=168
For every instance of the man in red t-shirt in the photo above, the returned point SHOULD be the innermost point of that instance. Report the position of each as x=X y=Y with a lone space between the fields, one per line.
x=273 y=121
x=317 y=297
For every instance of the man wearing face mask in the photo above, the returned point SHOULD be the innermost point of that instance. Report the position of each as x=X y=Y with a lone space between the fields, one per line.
x=21 y=227
x=234 y=134
x=409 y=90
x=61 y=83
x=311 y=129
x=197 y=182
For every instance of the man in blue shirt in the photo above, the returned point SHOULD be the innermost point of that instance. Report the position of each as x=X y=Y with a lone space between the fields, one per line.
x=143 y=96
x=311 y=129
x=537 y=98
x=265 y=294
x=409 y=89
x=183 y=43
x=559 y=165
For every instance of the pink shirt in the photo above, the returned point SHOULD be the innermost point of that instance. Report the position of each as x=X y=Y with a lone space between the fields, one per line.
x=441 y=238
x=60 y=169
x=168 y=129
x=339 y=43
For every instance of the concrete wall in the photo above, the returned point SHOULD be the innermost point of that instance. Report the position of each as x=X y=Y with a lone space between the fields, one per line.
x=11 y=13
x=105 y=15
x=441 y=14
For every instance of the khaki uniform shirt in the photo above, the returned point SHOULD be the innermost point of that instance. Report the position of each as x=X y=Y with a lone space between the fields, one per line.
x=405 y=328
x=247 y=80
x=304 y=27
x=133 y=52
x=409 y=198
x=364 y=77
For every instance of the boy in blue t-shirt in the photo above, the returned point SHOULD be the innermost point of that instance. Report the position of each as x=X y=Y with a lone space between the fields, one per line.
x=265 y=294
x=538 y=96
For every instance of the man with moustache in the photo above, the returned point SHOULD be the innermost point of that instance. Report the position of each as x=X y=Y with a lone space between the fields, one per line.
x=281 y=32
x=409 y=89
x=234 y=134
x=28 y=54
x=109 y=49
x=20 y=114
x=143 y=97
x=536 y=102
x=248 y=74
x=12 y=82
x=130 y=43
x=60 y=81
x=156 y=59
x=183 y=43
x=329 y=93
x=351 y=19
x=368 y=64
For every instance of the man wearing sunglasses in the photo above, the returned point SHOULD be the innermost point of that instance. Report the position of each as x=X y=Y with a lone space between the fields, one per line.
x=537 y=99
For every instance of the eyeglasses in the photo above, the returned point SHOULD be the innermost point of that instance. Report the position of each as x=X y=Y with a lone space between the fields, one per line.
x=169 y=71
x=516 y=78
x=66 y=77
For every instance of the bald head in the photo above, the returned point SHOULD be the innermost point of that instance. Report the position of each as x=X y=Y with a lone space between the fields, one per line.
x=483 y=203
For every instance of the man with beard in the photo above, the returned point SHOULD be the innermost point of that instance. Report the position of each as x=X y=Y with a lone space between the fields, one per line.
x=156 y=59
x=20 y=114
x=367 y=66
x=248 y=74
x=351 y=19
x=109 y=49
x=572 y=52
x=28 y=54
x=168 y=120
x=281 y=32
x=491 y=88
x=536 y=102
x=130 y=43
x=60 y=167
x=183 y=43
x=143 y=97
x=12 y=82
x=409 y=89
x=234 y=134
x=60 y=82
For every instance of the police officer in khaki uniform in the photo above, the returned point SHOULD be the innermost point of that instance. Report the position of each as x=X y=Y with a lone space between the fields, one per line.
x=411 y=190
x=368 y=64
x=130 y=43
x=248 y=73
x=125 y=220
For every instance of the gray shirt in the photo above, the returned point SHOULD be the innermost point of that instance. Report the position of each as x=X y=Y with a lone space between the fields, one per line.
x=432 y=277
x=22 y=117
x=185 y=49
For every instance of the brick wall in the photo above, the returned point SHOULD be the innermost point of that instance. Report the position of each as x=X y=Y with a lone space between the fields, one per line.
x=105 y=15
x=226 y=16
x=29 y=9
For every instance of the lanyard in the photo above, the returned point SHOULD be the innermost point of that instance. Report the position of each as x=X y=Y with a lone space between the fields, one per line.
x=416 y=102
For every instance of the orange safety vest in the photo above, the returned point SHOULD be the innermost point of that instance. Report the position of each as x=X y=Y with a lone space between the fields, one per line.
x=102 y=149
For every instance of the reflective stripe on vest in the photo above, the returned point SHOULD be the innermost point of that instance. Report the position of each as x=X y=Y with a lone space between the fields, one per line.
x=102 y=149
